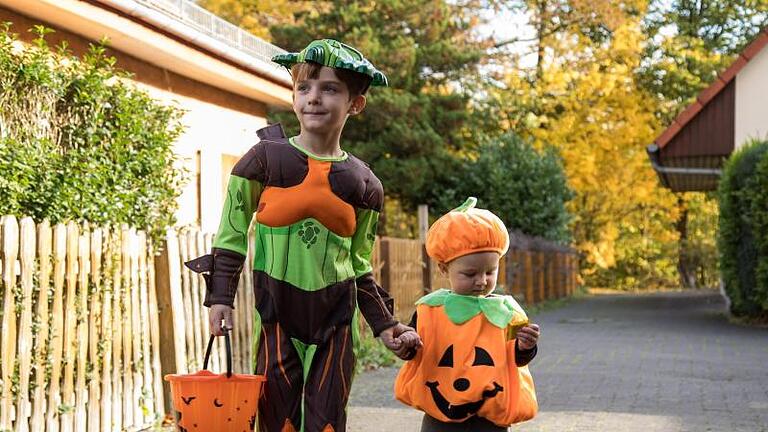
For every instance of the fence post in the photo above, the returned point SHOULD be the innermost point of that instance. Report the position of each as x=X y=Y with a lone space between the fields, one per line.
x=426 y=263
x=541 y=294
x=528 y=270
x=386 y=265
x=170 y=312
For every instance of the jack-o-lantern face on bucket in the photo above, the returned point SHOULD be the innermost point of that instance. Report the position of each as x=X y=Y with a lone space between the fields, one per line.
x=462 y=384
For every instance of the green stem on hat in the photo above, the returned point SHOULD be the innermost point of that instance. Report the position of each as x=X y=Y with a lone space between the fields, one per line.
x=468 y=204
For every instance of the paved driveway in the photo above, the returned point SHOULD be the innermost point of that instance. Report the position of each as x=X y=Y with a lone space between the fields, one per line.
x=655 y=362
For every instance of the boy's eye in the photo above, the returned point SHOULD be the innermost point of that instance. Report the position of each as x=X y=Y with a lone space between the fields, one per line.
x=468 y=274
x=330 y=89
x=302 y=87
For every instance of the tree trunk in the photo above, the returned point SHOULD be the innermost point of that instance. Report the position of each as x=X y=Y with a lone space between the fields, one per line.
x=686 y=273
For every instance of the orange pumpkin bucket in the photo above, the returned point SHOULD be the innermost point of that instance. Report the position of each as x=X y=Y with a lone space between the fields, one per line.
x=208 y=402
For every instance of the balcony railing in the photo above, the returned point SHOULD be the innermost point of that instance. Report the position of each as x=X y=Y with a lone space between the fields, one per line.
x=189 y=13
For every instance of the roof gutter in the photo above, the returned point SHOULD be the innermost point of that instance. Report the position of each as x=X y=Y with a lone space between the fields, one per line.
x=173 y=26
x=662 y=171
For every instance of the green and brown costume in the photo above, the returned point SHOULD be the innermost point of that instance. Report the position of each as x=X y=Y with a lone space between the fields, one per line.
x=315 y=227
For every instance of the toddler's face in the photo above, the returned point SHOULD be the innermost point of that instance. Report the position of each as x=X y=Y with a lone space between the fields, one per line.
x=474 y=274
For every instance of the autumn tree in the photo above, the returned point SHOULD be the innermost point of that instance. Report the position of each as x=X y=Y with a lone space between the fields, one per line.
x=416 y=132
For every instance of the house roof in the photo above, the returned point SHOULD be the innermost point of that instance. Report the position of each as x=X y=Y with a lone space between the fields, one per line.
x=689 y=154
x=174 y=35
x=708 y=94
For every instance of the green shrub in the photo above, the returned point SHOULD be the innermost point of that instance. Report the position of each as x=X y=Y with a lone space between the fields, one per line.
x=526 y=188
x=743 y=234
x=77 y=142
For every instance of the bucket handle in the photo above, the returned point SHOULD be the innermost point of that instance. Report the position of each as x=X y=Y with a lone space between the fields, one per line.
x=229 y=352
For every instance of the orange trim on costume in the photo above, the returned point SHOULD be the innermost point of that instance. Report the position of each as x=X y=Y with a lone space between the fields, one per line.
x=328 y=428
x=280 y=357
x=341 y=360
x=288 y=427
x=326 y=367
x=312 y=198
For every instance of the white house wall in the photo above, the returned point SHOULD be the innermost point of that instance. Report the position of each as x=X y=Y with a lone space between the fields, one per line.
x=214 y=131
x=752 y=100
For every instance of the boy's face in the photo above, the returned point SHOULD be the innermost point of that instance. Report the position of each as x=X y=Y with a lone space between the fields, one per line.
x=474 y=274
x=322 y=104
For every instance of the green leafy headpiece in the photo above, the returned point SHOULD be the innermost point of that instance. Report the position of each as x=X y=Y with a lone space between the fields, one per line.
x=334 y=54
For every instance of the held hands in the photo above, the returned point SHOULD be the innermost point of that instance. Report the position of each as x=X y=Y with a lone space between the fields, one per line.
x=401 y=339
x=528 y=336
x=217 y=313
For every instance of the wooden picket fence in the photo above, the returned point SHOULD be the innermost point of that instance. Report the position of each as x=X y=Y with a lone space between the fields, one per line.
x=78 y=350
x=92 y=319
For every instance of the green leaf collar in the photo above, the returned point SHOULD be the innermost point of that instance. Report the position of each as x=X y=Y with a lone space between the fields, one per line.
x=499 y=310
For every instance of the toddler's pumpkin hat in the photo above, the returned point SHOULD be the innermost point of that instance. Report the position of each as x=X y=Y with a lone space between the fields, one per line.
x=465 y=230
x=333 y=54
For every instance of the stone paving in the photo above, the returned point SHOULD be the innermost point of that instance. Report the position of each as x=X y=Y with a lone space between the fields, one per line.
x=655 y=362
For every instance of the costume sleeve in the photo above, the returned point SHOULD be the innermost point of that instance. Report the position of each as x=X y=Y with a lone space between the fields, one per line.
x=374 y=302
x=523 y=357
x=222 y=267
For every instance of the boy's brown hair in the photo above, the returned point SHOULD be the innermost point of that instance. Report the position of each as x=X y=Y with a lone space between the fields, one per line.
x=356 y=83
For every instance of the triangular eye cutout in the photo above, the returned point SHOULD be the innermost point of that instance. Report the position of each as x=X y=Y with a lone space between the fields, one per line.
x=482 y=358
x=447 y=359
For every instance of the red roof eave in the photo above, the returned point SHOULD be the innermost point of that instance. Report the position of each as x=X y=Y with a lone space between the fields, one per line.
x=709 y=93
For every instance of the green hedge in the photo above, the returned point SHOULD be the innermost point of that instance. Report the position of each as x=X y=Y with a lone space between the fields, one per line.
x=525 y=187
x=79 y=143
x=743 y=234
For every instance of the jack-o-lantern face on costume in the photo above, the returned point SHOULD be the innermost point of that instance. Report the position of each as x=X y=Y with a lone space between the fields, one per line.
x=467 y=364
x=463 y=384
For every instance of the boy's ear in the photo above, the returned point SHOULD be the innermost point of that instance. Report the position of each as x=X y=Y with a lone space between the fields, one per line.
x=358 y=104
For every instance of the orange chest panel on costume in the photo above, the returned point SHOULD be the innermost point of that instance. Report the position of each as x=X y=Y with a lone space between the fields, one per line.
x=312 y=198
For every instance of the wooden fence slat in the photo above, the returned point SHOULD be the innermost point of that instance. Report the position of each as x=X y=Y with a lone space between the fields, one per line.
x=70 y=327
x=154 y=333
x=138 y=383
x=27 y=256
x=190 y=358
x=83 y=288
x=8 y=330
x=95 y=336
x=204 y=326
x=107 y=287
x=44 y=246
x=118 y=380
x=127 y=366
x=195 y=302
x=55 y=399
x=146 y=353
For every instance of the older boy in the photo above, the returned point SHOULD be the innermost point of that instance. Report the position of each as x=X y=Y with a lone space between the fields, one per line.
x=316 y=212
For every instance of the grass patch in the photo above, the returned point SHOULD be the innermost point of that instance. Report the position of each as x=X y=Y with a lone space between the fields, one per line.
x=372 y=354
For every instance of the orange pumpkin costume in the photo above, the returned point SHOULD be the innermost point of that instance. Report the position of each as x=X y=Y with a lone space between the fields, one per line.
x=468 y=365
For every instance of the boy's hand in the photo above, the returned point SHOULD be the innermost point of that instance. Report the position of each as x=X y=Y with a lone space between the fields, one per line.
x=217 y=313
x=400 y=339
x=528 y=336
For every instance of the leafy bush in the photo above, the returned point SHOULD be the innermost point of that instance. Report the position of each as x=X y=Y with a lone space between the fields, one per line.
x=526 y=188
x=743 y=236
x=79 y=143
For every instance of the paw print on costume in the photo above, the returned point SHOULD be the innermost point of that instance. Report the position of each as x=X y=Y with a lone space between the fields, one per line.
x=308 y=232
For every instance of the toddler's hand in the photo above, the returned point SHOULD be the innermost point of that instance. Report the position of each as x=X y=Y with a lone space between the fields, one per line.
x=400 y=339
x=528 y=336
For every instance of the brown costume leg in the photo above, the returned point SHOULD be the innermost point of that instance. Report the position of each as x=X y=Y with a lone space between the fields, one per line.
x=280 y=403
x=329 y=383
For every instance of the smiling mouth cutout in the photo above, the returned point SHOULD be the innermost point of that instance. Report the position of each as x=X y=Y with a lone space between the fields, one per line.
x=463 y=411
